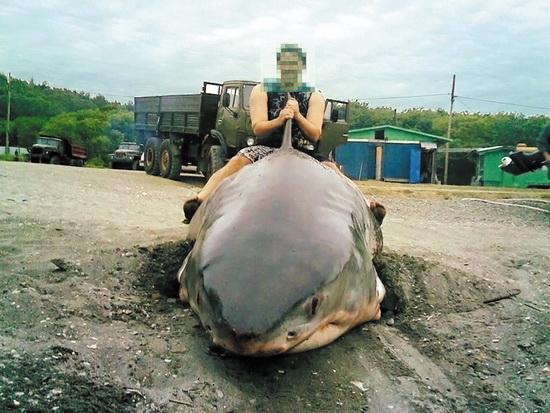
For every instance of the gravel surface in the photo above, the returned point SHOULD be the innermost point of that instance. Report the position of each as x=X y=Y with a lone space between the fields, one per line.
x=90 y=320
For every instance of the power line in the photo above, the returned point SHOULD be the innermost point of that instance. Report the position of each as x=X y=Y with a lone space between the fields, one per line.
x=404 y=97
x=504 y=103
x=464 y=104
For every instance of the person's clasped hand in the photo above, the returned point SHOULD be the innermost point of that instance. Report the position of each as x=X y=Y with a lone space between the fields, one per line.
x=285 y=114
x=293 y=105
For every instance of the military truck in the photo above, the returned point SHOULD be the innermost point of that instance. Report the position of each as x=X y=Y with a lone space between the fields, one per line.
x=57 y=150
x=126 y=156
x=205 y=130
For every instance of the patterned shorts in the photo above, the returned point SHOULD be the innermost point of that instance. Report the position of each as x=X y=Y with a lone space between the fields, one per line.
x=256 y=152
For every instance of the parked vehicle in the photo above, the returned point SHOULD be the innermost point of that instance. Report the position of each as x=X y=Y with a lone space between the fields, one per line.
x=206 y=129
x=56 y=150
x=126 y=156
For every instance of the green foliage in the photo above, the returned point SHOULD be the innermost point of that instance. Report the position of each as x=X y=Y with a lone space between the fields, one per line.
x=468 y=129
x=30 y=99
x=7 y=157
x=25 y=129
x=99 y=130
x=100 y=125
x=96 y=162
x=91 y=121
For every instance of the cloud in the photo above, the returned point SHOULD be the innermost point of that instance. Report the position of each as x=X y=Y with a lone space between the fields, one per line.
x=498 y=49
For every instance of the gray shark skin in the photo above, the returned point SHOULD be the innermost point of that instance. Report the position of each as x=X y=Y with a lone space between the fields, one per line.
x=282 y=258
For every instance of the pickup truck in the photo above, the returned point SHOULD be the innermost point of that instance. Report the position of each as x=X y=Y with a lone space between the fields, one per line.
x=206 y=129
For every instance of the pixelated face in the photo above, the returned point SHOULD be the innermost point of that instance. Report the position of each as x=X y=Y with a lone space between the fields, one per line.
x=290 y=62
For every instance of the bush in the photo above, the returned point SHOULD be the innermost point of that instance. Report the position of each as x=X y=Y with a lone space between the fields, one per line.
x=7 y=157
x=96 y=162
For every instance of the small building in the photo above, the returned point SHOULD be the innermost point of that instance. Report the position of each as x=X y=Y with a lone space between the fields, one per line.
x=389 y=153
x=479 y=166
x=488 y=173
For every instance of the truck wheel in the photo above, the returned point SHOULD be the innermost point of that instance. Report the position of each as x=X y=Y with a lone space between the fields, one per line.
x=170 y=161
x=152 y=156
x=54 y=160
x=215 y=161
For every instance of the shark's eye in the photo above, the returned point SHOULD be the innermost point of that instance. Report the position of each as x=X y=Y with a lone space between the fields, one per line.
x=314 y=304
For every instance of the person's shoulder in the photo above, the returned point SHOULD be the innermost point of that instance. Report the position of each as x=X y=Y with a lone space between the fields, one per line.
x=316 y=94
x=258 y=90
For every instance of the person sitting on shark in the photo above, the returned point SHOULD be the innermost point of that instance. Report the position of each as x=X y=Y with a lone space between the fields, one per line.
x=272 y=103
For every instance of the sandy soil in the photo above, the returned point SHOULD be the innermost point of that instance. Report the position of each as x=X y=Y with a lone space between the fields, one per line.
x=89 y=319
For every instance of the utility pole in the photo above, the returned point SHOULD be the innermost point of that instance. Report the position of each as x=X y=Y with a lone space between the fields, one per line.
x=7 y=150
x=449 y=132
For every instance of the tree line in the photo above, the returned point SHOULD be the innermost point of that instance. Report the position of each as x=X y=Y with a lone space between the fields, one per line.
x=91 y=121
x=100 y=125
x=469 y=130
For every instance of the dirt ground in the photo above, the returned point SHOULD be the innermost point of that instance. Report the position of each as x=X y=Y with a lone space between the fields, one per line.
x=89 y=319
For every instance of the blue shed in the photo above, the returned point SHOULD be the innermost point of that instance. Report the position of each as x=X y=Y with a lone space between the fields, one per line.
x=389 y=153
x=357 y=158
x=400 y=162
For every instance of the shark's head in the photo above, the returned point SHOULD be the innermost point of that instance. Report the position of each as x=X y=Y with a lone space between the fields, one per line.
x=283 y=258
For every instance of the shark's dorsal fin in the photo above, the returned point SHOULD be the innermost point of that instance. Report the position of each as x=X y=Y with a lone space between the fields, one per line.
x=287 y=136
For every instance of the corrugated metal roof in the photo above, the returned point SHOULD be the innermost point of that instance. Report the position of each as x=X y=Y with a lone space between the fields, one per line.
x=373 y=128
x=483 y=151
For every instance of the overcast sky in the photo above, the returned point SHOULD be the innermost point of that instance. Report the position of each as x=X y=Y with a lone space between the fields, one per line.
x=499 y=49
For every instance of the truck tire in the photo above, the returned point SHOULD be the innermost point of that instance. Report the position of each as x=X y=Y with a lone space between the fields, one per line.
x=152 y=156
x=54 y=160
x=170 y=160
x=215 y=161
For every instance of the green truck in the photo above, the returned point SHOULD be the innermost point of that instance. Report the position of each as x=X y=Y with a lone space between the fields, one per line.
x=126 y=156
x=57 y=150
x=206 y=129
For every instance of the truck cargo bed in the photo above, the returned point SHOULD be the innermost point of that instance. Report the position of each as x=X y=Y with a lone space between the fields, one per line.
x=188 y=114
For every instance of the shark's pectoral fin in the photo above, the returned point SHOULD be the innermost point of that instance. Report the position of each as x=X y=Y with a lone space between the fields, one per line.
x=378 y=210
x=181 y=280
x=183 y=294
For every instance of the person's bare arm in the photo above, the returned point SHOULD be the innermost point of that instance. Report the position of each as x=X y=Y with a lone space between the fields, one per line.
x=261 y=126
x=312 y=123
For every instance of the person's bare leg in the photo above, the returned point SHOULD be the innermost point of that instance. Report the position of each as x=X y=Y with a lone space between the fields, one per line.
x=231 y=167
x=234 y=165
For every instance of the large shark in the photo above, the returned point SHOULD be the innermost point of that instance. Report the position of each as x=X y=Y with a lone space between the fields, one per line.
x=282 y=257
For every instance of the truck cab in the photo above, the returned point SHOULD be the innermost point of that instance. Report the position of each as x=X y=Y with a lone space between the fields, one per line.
x=233 y=129
x=126 y=156
x=233 y=119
